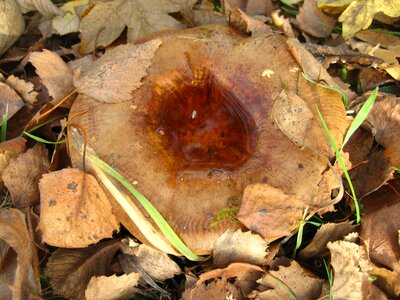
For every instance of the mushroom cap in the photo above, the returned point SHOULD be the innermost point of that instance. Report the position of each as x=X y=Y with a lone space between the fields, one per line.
x=200 y=128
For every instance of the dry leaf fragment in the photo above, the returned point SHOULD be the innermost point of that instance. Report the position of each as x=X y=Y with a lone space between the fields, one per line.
x=12 y=24
x=16 y=279
x=158 y=265
x=10 y=101
x=44 y=7
x=74 y=210
x=385 y=119
x=250 y=7
x=111 y=79
x=299 y=281
x=70 y=270
x=112 y=287
x=106 y=20
x=313 y=21
x=329 y=232
x=23 y=88
x=21 y=177
x=237 y=246
x=243 y=22
x=8 y=150
x=53 y=72
x=351 y=270
x=69 y=22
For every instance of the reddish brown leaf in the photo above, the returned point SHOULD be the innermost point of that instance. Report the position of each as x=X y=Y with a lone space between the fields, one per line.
x=385 y=118
x=21 y=177
x=70 y=270
x=16 y=271
x=313 y=21
x=54 y=73
x=292 y=279
x=74 y=210
x=329 y=232
x=241 y=21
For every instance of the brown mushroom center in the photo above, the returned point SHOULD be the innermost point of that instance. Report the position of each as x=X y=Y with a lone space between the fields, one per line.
x=206 y=125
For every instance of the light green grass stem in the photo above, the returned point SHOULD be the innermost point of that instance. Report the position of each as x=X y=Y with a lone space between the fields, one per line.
x=40 y=140
x=162 y=224
x=342 y=165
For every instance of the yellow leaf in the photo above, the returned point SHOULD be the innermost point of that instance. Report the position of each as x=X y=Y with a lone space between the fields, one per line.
x=359 y=13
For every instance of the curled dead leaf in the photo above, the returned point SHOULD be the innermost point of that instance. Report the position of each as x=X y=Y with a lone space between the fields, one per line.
x=74 y=210
x=70 y=270
x=21 y=176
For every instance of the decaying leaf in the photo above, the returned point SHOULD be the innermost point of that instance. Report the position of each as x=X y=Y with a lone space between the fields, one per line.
x=111 y=79
x=45 y=7
x=379 y=230
x=10 y=101
x=69 y=22
x=238 y=246
x=385 y=119
x=155 y=263
x=74 y=210
x=328 y=232
x=12 y=24
x=8 y=150
x=113 y=287
x=313 y=21
x=241 y=275
x=53 y=72
x=24 y=89
x=70 y=270
x=351 y=270
x=288 y=281
x=250 y=7
x=371 y=174
x=17 y=280
x=21 y=177
x=106 y=20
x=241 y=21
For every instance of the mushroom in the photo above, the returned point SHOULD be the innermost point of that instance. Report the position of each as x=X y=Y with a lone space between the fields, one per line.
x=201 y=128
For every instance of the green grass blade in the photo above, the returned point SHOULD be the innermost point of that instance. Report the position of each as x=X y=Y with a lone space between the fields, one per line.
x=362 y=114
x=40 y=140
x=330 y=280
x=342 y=165
x=162 y=224
x=344 y=98
x=4 y=128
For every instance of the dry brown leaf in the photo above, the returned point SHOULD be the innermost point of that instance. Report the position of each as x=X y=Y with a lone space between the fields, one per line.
x=217 y=289
x=70 y=270
x=295 y=278
x=200 y=17
x=370 y=175
x=283 y=23
x=313 y=21
x=21 y=177
x=241 y=21
x=112 y=287
x=385 y=119
x=269 y=211
x=106 y=20
x=238 y=246
x=359 y=146
x=23 y=88
x=329 y=232
x=250 y=7
x=380 y=226
x=74 y=210
x=374 y=38
x=53 y=72
x=387 y=280
x=44 y=7
x=10 y=101
x=351 y=270
x=12 y=24
x=16 y=271
x=8 y=150
x=243 y=276
x=158 y=265
x=111 y=79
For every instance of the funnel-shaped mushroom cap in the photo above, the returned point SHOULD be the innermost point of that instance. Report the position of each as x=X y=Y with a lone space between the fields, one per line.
x=201 y=128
